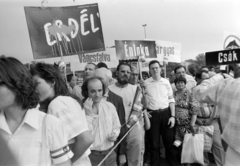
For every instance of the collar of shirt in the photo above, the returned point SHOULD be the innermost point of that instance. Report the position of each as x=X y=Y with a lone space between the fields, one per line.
x=105 y=96
x=152 y=80
x=31 y=118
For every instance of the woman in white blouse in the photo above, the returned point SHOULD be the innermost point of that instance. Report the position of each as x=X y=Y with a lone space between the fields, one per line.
x=102 y=120
x=55 y=99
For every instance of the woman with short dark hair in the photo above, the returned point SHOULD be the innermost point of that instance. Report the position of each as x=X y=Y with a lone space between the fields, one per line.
x=186 y=109
x=33 y=137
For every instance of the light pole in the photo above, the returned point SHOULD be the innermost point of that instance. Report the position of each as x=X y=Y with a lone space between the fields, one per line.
x=145 y=30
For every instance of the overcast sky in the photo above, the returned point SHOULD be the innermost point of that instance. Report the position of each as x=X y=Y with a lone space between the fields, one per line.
x=198 y=25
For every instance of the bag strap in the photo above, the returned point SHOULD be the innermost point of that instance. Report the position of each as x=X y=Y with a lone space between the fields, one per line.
x=44 y=142
x=224 y=144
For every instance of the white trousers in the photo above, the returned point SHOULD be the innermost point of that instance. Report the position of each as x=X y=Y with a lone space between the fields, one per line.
x=134 y=145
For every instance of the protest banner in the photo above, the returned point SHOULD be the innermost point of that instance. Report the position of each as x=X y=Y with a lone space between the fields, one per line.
x=72 y=30
x=223 y=57
x=78 y=62
x=168 y=51
x=133 y=49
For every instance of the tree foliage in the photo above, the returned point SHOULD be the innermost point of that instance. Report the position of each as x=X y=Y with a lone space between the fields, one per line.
x=198 y=62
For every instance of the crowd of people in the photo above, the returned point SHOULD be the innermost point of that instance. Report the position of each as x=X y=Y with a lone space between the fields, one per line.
x=47 y=119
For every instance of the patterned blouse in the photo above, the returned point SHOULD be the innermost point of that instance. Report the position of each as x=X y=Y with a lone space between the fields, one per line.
x=185 y=106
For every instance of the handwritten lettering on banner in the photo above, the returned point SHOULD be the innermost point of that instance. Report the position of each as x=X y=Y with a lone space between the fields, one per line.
x=95 y=58
x=78 y=62
x=131 y=49
x=70 y=30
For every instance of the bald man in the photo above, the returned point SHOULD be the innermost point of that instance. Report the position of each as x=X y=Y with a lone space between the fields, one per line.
x=88 y=72
x=117 y=101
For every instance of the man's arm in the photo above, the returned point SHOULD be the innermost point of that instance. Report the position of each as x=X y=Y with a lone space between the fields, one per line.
x=82 y=143
x=207 y=91
x=136 y=111
x=171 y=120
x=171 y=102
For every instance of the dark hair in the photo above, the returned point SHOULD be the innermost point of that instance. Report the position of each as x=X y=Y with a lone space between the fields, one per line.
x=52 y=74
x=199 y=75
x=192 y=70
x=237 y=72
x=102 y=64
x=69 y=77
x=154 y=61
x=204 y=67
x=146 y=73
x=123 y=64
x=178 y=67
x=85 y=86
x=180 y=79
x=17 y=78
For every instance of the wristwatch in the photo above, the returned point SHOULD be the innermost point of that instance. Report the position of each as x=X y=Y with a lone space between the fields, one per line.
x=173 y=117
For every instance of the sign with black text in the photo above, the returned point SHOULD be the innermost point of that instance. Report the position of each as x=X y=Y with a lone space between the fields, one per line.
x=132 y=49
x=223 y=57
x=56 y=31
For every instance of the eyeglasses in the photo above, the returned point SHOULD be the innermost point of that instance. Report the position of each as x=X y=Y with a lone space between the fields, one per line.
x=204 y=71
x=133 y=74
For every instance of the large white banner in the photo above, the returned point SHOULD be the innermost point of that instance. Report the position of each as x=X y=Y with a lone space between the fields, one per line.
x=109 y=57
x=168 y=51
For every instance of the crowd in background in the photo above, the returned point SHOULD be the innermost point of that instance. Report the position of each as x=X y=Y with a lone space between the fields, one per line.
x=48 y=119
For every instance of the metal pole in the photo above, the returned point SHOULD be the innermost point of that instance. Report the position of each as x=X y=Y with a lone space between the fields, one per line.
x=145 y=30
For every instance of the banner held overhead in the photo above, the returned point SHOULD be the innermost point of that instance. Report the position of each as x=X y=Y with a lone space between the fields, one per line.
x=73 y=29
x=223 y=57
x=132 y=49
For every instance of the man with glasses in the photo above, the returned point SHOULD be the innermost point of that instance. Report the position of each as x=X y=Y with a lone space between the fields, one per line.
x=161 y=106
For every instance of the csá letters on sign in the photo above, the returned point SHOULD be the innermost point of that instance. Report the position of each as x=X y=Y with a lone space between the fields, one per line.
x=224 y=57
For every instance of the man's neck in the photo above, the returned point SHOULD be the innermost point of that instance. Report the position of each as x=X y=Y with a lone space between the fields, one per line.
x=121 y=85
x=156 y=78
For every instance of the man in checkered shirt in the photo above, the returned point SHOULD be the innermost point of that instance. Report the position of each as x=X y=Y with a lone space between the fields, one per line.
x=225 y=95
